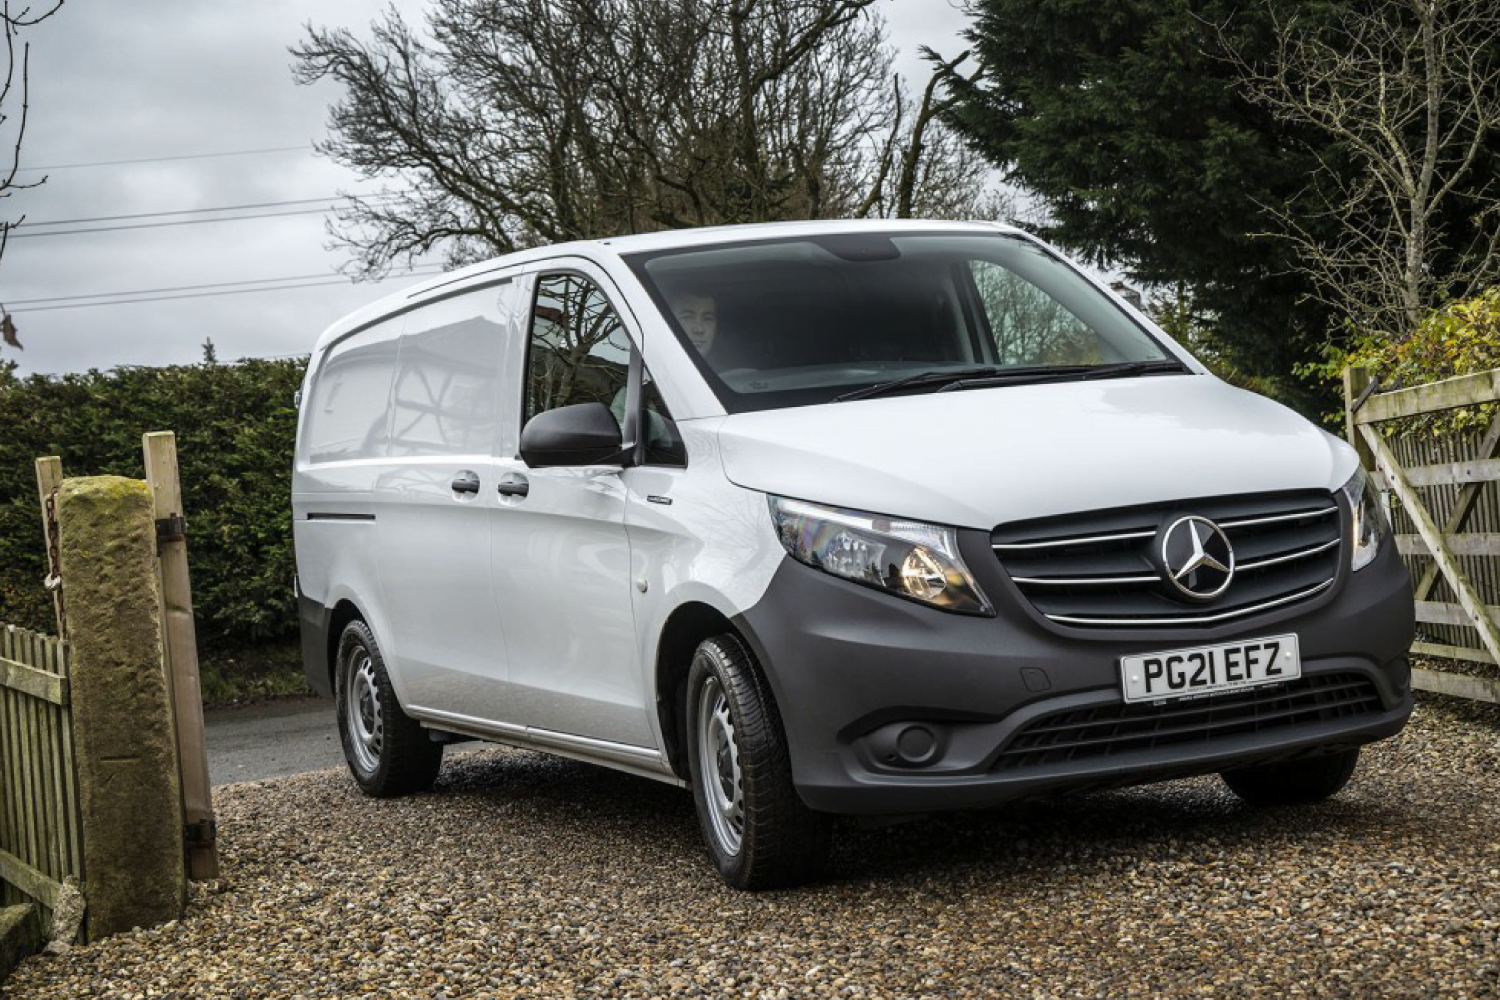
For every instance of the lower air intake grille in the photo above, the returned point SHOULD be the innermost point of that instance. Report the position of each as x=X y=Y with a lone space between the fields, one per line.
x=1061 y=737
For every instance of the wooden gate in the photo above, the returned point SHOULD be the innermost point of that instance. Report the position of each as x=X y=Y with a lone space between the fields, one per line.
x=1447 y=523
x=40 y=828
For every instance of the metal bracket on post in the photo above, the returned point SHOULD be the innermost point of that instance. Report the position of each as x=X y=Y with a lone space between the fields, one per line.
x=1374 y=384
x=170 y=529
x=204 y=833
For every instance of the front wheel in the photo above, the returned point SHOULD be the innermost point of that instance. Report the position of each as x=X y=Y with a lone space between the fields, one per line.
x=759 y=833
x=389 y=754
x=1293 y=782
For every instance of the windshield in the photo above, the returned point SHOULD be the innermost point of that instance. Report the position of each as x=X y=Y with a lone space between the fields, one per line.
x=809 y=319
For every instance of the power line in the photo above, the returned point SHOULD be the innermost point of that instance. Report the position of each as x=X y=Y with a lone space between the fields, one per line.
x=179 y=222
x=167 y=159
x=180 y=211
x=177 y=288
x=224 y=288
x=195 y=295
x=200 y=287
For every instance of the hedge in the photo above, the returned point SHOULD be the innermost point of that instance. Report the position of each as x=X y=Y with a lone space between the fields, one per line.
x=1461 y=338
x=235 y=425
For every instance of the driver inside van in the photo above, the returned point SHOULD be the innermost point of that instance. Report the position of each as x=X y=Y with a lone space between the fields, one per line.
x=697 y=314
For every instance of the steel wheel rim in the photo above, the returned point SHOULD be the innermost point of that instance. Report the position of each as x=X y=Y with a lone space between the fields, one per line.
x=362 y=711
x=719 y=776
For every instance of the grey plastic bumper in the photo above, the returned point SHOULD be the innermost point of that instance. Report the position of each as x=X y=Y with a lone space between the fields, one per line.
x=314 y=619
x=849 y=665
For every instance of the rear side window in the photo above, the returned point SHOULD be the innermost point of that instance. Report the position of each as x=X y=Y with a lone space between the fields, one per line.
x=447 y=394
x=579 y=351
x=347 y=416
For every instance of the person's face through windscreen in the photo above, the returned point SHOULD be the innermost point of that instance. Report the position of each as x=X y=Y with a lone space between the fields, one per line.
x=699 y=318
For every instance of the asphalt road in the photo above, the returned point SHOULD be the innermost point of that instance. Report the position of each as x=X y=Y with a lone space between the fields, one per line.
x=271 y=740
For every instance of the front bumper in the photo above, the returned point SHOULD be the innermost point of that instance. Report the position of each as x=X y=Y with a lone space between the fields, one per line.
x=854 y=670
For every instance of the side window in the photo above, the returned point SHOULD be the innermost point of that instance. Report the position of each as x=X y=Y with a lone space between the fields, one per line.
x=447 y=395
x=347 y=415
x=663 y=444
x=578 y=351
x=1030 y=327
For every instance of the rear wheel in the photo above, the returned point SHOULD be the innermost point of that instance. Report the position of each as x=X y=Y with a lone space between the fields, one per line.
x=758 y=832
x=389 y=754
x=1293 y=782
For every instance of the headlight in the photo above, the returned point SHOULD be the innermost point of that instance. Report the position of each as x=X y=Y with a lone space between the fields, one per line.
x=1370 y=524
x=917 y=561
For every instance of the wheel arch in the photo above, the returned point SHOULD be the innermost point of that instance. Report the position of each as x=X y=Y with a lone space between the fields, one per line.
x=342 y=613
x=687 y=626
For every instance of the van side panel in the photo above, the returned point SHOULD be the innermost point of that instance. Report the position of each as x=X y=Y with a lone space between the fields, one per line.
x=343 y=438
x=435 y=499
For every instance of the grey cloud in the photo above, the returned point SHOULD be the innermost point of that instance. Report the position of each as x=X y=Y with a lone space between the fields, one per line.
x=114 y=81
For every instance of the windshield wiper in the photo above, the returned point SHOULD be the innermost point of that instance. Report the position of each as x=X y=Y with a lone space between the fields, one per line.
x=934 y=378
x=1068 y=373
x=1124 y=369
x=974 y=378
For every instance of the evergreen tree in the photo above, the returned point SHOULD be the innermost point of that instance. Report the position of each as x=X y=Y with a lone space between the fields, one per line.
x=1127 y=123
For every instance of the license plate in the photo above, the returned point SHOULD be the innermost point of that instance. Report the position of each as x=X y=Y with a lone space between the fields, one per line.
x=1180 y=673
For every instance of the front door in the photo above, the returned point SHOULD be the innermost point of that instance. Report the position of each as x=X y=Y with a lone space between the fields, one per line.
x=560 y=556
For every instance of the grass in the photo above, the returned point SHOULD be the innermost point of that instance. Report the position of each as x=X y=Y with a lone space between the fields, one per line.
x=242 y=674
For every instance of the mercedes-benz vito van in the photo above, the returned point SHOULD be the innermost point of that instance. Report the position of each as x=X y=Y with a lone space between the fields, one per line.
x=868 y=518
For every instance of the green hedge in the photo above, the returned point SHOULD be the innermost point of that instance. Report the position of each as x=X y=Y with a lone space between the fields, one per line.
x=235 y=426
x=1461 y=338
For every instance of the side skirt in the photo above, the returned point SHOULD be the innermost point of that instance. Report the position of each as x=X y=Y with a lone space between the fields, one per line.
x=643 y=762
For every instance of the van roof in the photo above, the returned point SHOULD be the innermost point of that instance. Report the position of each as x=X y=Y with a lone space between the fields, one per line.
x=641 y=243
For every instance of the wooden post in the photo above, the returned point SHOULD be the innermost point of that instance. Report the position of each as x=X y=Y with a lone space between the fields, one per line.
x=49 y=475
x=180 y=647
x=1356 y=380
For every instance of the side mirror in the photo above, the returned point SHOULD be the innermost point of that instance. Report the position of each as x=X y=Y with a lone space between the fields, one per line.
x=580 y=434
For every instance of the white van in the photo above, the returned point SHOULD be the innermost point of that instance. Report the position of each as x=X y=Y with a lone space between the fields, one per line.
x=872 y=518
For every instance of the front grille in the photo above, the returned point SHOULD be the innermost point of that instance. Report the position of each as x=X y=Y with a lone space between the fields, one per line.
x=1061 y=737
x=1097 y=570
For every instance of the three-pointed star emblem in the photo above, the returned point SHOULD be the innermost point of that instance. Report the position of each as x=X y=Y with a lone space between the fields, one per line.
x=1196 y=558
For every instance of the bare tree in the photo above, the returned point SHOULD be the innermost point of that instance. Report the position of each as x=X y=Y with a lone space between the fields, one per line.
x=526 y=121
x=1408 y=92
x=15 y=86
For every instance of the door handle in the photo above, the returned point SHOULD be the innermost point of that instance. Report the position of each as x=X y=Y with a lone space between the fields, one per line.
x=514 y=488
x=465 y=482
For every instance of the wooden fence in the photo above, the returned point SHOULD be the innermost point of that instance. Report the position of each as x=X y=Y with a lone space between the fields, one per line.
x=40 y=826
x=1446 y=518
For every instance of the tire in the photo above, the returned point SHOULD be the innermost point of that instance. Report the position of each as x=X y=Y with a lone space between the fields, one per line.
x=389 y=754
x=1294 y=782
x=759 y=834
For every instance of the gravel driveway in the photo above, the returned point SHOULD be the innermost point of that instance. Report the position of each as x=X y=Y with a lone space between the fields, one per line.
x=528 y=876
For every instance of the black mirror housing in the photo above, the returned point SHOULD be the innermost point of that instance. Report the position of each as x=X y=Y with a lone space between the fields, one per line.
x=580 y=434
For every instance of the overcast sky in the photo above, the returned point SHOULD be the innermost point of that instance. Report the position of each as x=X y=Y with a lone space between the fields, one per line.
x=169 y=81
